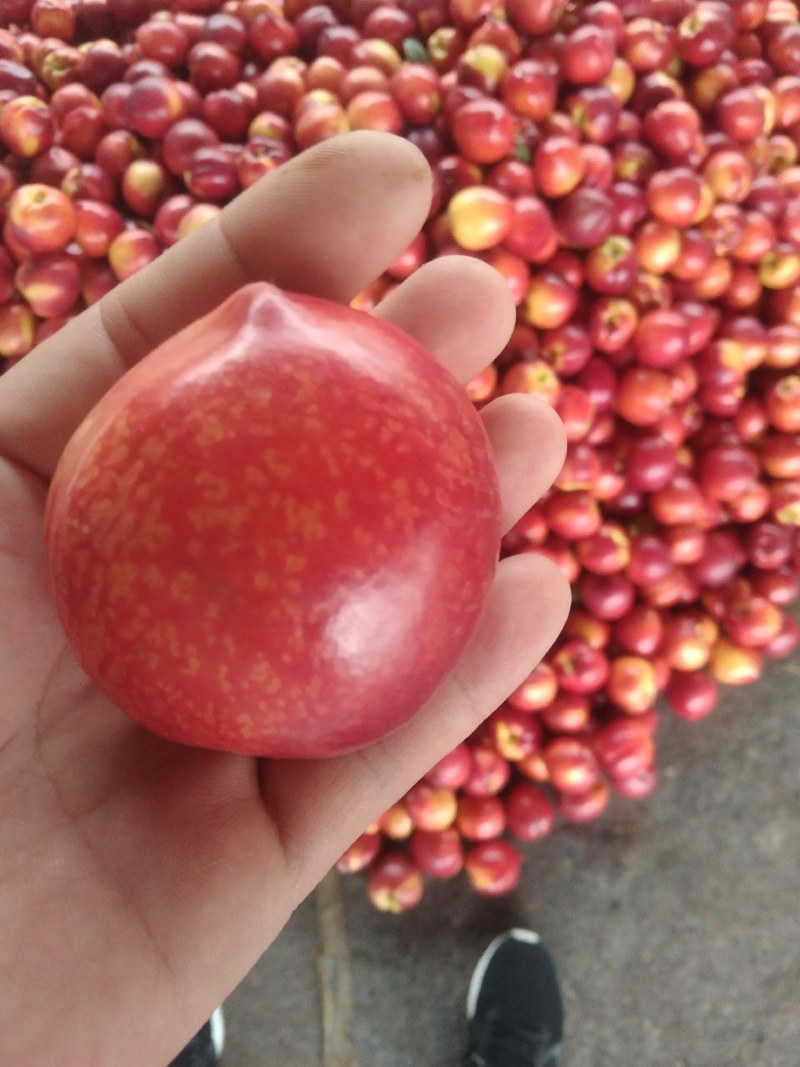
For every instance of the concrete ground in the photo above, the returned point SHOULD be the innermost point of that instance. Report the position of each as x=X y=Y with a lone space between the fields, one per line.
x=675 y=924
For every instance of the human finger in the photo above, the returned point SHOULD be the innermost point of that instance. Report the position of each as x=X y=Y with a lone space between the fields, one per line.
x=458 y=308
x=529 y=445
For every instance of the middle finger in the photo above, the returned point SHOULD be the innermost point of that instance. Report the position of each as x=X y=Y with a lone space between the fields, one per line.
x=458 y=308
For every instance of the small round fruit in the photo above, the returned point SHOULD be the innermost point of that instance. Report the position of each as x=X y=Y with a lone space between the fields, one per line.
x=395 y=883
x=586 y=806
x=692 y=694
x=480 y=818
x=530 y=812
x=624 y=747
x=361 y=854
x=27 y=126
x=438 y=853
x=480 y=217
x=452 y=770
x=493 y=868
x=42 y=219
x=483 y=130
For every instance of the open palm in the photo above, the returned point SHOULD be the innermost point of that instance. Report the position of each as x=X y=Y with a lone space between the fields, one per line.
x=141 y=880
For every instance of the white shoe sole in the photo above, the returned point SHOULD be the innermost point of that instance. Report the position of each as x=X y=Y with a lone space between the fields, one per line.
x=217 y=1023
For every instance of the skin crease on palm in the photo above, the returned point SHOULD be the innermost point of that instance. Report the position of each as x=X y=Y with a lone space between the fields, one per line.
x=140 y=880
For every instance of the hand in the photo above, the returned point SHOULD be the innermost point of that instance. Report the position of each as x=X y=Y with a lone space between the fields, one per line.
x=141 y=880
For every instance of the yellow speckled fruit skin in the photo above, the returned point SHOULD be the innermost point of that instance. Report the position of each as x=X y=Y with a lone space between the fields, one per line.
x=275 y=534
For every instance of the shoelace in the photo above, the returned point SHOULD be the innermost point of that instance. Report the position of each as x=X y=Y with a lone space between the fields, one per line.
x=504 y=1041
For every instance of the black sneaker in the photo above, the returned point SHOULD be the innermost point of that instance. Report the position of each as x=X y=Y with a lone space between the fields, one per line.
x=514 y=1005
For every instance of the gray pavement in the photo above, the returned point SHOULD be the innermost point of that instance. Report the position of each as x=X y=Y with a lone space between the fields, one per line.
x=675 y=923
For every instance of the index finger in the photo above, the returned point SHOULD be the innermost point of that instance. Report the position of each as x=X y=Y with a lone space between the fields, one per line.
x=327 y=223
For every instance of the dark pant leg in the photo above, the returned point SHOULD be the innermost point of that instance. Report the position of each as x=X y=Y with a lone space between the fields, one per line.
x=199 y=1052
